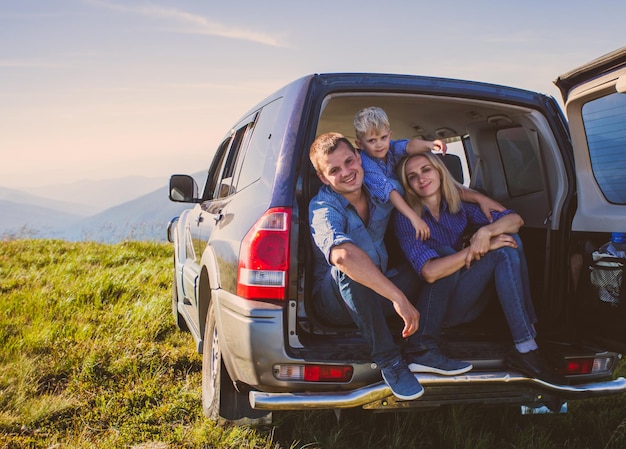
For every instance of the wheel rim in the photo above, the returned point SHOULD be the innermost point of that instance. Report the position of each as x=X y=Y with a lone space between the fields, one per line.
x=215 y=359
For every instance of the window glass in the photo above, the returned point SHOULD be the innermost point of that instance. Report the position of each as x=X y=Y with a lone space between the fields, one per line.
x=256 y=152
x=520 y=162
x=215 y=170
x=228 y=184
x=605 y=126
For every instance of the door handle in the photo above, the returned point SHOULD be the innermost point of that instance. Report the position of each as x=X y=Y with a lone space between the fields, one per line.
x=199 y=219
x=218 y=217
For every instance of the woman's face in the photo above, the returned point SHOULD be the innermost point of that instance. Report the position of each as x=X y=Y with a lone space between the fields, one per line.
x=423 y=178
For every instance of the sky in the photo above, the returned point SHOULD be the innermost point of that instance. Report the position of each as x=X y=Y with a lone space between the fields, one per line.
x=101 y=89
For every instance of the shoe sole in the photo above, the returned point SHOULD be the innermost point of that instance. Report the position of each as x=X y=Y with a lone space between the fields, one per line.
x=403 y=397
x=417 y=368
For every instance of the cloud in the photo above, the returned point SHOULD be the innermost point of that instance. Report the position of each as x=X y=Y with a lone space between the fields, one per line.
x=193 y=23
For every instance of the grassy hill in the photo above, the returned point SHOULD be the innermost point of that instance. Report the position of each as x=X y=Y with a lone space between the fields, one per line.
x=90 y=358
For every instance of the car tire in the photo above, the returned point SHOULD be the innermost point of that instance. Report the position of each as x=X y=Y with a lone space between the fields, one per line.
x=221 y=401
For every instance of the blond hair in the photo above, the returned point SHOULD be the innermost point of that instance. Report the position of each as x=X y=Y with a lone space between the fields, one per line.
x=324 y=145
x=370 y=119
x=449 y=187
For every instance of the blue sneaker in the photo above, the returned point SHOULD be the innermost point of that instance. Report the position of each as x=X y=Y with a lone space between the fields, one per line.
x=403 y=384
x=433 y=361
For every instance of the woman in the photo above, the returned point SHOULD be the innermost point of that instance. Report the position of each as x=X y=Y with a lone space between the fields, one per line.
x=457 y=276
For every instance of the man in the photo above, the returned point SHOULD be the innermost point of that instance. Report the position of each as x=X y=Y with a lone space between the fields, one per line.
x=348 y=227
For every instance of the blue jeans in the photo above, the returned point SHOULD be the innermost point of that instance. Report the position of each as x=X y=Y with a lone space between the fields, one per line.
x=460 y=297
x=341 y=301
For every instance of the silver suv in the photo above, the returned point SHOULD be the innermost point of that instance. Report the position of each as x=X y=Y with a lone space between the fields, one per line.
x=242 y=253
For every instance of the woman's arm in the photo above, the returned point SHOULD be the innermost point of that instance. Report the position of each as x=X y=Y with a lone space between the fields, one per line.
x=487 y=238
x=481 y=241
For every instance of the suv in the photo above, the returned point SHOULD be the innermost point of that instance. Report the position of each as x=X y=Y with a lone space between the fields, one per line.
x=242 y=254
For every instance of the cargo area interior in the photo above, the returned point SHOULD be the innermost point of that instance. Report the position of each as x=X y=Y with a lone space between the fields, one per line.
x=507 y=152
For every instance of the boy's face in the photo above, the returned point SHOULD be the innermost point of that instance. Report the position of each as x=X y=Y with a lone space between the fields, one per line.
x=341 y=170
x=375 y=143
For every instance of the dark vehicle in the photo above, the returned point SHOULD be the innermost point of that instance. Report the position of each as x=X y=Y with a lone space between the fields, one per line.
x=242 y=254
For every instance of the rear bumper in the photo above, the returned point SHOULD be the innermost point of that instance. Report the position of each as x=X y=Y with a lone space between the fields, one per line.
x=476 y=387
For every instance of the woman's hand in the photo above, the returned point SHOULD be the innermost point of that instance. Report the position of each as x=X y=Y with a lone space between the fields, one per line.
x=502 y=240
x=479 y=246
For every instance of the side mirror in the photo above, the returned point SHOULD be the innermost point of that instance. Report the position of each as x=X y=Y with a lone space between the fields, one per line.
x=183 y=189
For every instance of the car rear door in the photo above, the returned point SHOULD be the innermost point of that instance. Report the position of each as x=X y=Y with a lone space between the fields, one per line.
x=595 y=103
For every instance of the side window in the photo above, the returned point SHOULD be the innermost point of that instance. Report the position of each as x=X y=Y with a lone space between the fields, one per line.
x=251 y=165
x=520 y=162
x=605 y=127
x=215 y=170
x=221 y=181
x=228 y=182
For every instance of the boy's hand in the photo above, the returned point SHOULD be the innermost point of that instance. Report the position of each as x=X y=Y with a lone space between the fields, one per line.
x=422 y=231
x=439 y=145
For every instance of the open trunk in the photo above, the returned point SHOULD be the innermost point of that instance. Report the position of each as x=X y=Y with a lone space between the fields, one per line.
x=514 y=146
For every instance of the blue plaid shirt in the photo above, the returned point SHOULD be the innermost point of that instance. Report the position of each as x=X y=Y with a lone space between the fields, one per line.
x=335 y=221
x=448 y=231
x=380 y=176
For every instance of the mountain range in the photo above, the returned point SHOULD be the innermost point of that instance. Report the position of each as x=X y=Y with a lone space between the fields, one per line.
x=131 y=208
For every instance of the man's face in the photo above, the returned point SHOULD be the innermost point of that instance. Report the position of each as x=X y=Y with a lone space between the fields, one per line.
x=341 y=170
x=375 y=143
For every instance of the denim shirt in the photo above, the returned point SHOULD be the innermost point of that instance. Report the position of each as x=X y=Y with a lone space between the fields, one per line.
x=448 y=231
x=380 y=176
x=335 y=221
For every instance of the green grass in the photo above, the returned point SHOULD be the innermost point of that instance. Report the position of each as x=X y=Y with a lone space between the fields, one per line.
x=90 y=358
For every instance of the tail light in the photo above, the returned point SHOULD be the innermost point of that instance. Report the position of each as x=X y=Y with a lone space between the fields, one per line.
x=587 y=365
x=314 y=373
x=264 y=257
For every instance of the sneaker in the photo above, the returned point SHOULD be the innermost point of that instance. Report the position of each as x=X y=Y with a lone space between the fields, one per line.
x=533 y=364
x=403 y=384
x=433 y=361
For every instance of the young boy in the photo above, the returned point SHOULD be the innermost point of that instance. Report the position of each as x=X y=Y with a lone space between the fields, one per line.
x=380 y=155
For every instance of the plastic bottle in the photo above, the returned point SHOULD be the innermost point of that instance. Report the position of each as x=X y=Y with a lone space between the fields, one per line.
x=618 y=237
x=617 y=246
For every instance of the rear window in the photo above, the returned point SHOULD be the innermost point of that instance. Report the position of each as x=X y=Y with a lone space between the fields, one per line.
x=605 y=127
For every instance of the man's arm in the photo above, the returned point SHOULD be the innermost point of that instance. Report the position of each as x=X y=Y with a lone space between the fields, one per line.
x=357 y=265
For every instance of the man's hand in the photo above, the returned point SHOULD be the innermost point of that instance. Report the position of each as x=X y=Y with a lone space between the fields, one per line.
x=409 y=315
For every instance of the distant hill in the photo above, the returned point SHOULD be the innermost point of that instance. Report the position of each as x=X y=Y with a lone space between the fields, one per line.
x=28 y=220
x=144 y=218
x=94 y=196
x=19 y=197
x=140 y=216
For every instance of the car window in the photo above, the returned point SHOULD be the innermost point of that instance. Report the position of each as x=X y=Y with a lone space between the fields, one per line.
x=519 y=160
x=604 y=120
x=215 y=170
x=253 y=160
x=228 y=181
